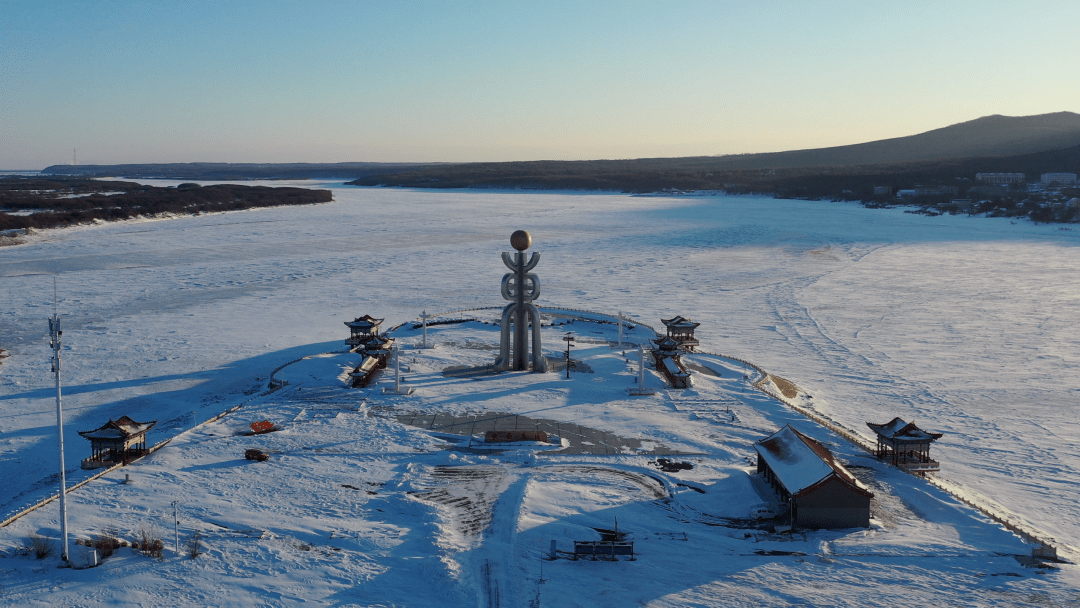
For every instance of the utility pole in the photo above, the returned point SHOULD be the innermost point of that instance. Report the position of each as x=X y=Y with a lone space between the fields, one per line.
x=176 y=529
x=425 y=317
x=620 y=329
x=641 y=368
x=569 y=340
x=55 y=335
x=397 y=370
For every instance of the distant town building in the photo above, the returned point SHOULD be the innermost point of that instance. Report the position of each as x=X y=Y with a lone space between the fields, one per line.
x=882 y=190
x=1060 y=179
x=907 y=193
x=963 y=203
x=820 y=492
x=1001 y=178
x=936 y=191
x=988 y=191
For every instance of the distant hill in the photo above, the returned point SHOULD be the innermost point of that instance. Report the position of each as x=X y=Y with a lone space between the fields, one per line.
x=987 y=136
x=232 y=171
x=985 y=144
x=997 y=137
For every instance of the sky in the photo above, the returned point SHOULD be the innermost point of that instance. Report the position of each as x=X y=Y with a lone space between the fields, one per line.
x=284 y=81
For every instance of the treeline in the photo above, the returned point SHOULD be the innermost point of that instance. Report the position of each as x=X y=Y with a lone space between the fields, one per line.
x=711 y=173
x=58 y=202
x=231 y=171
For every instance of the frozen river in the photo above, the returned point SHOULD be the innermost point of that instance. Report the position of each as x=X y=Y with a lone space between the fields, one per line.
x=965 y=325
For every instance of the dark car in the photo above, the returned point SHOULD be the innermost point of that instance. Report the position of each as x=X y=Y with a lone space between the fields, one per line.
x=256 y=455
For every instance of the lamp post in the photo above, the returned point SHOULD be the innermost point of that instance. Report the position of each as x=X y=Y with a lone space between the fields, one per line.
x=569 y=340
x=425 y=317
x=620 y=329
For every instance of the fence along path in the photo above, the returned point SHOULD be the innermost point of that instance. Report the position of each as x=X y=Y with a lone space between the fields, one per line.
x=1047 y=545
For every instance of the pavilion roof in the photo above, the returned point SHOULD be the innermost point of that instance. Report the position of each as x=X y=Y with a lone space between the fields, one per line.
x=679 y=322
x=898 y=429
x=803 y=464
x=121 y=428
x=666 y=343
x=377 y=341
x=366 y=321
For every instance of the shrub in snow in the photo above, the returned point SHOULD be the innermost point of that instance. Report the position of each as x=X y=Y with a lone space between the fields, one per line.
x=40 y=546
x=194 y=545
x=150 y=542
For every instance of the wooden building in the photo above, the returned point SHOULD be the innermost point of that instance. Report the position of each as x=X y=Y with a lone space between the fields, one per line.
x=669 y=363
x=117 y=442
x=905 y=445
x=362 y=329
x=376 y=350
x=819 y=491
x=364 y=374
x=681 y=330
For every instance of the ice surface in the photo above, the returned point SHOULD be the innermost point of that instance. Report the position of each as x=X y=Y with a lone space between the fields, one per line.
x=963 y=325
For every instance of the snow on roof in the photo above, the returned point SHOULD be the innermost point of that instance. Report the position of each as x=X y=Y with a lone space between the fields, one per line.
x=898 y=429
x=364 y=321
x=673 y=368
x=679 y=321
x=801 y=463
x=122 y=428
x=666 y=343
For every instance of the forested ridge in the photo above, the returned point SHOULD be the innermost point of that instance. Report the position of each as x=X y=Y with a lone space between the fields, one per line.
x=57 y=201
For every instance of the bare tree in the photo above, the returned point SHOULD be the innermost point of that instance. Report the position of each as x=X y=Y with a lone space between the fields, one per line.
x=106 y=542
x=194 y=545
x=150 y=542
x=40 y=546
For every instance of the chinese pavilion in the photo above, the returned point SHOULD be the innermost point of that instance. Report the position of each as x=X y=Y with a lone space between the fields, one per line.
x=362 y=329
x=669 y=363
x=905 y=445
x=681 y=330
x=117 y=442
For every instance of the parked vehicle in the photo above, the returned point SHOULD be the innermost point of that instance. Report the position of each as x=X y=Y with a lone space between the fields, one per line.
x=254 y=454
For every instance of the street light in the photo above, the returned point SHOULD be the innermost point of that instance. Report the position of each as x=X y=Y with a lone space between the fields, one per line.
x=569 y=340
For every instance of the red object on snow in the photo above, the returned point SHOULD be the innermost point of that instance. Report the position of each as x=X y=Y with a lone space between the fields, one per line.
x=262 y=427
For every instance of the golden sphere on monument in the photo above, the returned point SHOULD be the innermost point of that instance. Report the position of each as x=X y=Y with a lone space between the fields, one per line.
x=520 y=240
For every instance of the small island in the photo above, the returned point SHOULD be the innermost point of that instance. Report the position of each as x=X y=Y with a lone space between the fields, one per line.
x=54 y=202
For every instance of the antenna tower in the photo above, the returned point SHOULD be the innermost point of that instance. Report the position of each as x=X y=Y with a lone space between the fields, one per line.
x=55 y=335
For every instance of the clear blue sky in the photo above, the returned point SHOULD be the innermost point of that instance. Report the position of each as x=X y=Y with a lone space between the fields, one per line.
x=290 y=81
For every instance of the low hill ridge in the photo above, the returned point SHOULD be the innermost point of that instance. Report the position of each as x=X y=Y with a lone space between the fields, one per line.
x=994 y=135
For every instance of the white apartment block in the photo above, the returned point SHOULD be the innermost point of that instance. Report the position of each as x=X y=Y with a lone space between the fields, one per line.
x=1062 y=179
x=1001 y=178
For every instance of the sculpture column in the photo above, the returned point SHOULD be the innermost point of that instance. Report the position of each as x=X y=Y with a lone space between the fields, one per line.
x=520 y=287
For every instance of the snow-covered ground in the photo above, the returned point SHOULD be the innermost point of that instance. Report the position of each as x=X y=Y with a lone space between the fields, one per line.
x=963 y=324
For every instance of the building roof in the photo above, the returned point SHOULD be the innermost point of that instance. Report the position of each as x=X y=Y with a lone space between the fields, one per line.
x=666 y=343
x=802 y=464
x=364 y=322
x=121 y=428
x=904 y=431
x=673 y=368
x=679 y=322
x=377 y=342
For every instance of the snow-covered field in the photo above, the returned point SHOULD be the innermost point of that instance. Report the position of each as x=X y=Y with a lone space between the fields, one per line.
x=965 y=325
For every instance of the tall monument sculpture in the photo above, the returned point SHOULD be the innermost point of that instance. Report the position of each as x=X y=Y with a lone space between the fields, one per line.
x=520 y=287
